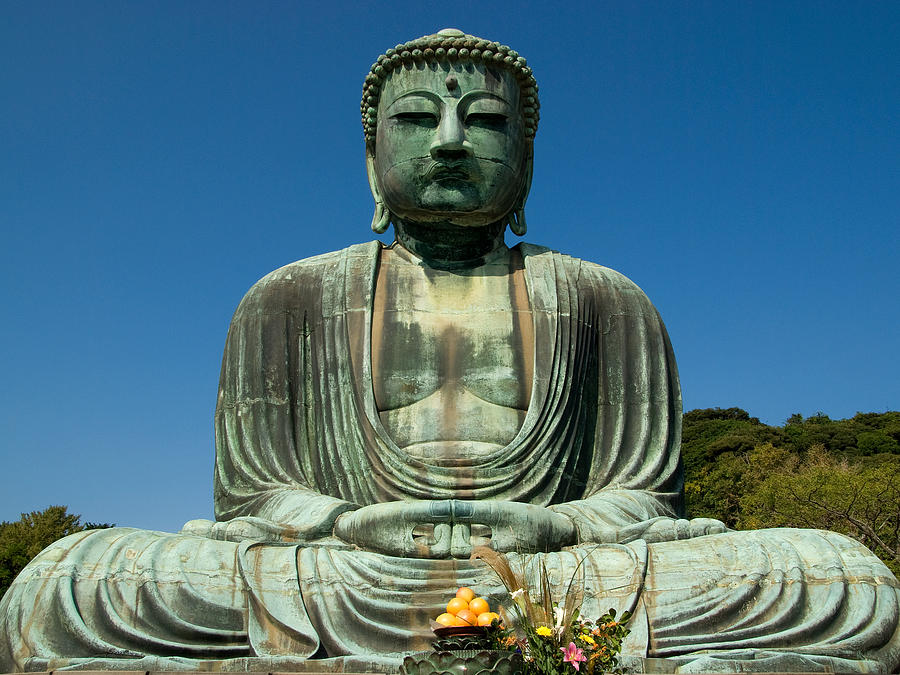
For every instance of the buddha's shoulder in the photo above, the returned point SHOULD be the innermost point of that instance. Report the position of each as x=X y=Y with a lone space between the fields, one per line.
x=323 y=264
x=304 y=278
x=585 y=274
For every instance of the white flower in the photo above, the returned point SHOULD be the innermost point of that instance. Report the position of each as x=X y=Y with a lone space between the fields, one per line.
x=518 y=597
x=559 y=613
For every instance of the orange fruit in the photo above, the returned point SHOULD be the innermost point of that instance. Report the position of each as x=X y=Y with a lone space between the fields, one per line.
x=479 y=606
x=456 y=605
x=446 y=619
x=468 y=616
x=485 y=618
x=465 y=593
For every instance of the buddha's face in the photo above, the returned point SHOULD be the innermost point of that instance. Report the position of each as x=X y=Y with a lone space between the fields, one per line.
x=450 y=145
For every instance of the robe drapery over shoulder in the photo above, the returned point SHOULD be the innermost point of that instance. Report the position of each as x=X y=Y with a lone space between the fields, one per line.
x=299 y=439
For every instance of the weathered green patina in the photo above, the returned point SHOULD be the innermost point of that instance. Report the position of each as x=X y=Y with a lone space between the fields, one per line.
x=382 y=410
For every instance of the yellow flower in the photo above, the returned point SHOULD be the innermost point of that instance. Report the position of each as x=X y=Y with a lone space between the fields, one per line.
x=588 y=639
x=543 y=631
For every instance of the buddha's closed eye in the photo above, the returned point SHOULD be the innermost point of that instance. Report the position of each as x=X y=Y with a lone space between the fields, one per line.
x=486 y=120
x=422 y=119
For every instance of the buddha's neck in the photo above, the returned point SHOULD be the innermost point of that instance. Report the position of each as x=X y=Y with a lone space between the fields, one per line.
x=447 y=246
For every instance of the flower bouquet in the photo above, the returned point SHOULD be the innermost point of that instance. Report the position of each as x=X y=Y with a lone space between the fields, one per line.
x=551 y=635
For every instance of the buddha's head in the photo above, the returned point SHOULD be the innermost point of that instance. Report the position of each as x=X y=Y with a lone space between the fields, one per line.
x=449 y=121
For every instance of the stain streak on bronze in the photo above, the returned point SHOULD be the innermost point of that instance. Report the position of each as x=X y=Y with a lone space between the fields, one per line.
x=379 y=303
x=523 y=333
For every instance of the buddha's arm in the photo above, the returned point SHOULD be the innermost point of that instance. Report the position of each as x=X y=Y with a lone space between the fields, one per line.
x=256 y=501
x=267 y=479
x=290 y=515
x=634 y=488
x=620 y=516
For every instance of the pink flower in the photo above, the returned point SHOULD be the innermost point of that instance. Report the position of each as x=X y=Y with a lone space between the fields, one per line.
x=573 y=655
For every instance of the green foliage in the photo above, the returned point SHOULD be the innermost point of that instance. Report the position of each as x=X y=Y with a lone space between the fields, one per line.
x=715 y=445
x=711 y=432
x=23 y=539
x=857 y=498
x=840 y=475
x=876 y=443
x=593 y=645
x=704 y=414
x=862 y=435
x=715 y=490
x=602 y=641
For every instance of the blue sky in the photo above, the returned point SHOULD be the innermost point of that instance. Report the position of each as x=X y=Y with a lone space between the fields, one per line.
x=739 y=161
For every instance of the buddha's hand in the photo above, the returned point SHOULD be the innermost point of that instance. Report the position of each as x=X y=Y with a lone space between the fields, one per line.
x=414 y=529
x=514 y=527
x=670 y=529
x=245 y=528
x=451 y=528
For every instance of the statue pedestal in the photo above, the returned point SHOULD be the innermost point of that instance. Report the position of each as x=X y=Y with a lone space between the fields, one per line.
x=462 y=662
x=653 y=667
x=155 y=665
x=419 y=663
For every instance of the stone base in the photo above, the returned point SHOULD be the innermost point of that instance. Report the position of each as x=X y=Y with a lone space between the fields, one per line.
x=358 y=665
x=308 y=672
x=157 y=665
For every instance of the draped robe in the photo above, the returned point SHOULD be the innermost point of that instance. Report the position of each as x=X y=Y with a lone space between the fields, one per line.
x=299 y=441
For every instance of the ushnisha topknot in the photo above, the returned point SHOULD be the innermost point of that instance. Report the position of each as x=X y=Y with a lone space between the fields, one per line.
x=450 y=45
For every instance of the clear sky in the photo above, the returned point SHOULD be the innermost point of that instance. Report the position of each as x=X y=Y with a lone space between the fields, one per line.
x=739 y=161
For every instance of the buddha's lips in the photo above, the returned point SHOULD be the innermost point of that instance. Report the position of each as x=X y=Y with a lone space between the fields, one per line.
x=456 y=171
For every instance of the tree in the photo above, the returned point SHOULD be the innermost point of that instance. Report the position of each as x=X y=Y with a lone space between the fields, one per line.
x=711 y=432
x=23 y=539
x=862 y=434
x=703 y=414
x=859 y=498
x=716 y=444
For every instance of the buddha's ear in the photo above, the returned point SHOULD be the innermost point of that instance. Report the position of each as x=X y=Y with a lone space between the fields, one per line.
x=382 y=216
x=370 y=172
x=528 y=169
x=516 y=219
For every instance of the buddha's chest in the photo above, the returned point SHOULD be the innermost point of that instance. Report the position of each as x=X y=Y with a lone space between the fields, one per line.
x=464 y=337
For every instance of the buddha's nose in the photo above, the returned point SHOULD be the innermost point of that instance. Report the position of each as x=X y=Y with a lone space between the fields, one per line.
x=451 y=142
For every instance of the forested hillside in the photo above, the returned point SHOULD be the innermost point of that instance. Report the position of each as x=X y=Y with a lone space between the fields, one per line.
x=841 y=475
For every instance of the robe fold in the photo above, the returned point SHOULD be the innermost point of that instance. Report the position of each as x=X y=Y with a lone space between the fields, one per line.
x=299 y=441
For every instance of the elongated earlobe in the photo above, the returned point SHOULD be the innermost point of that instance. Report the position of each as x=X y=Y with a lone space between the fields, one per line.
x=381 y=219
x=516 y=218
x=517 y=221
